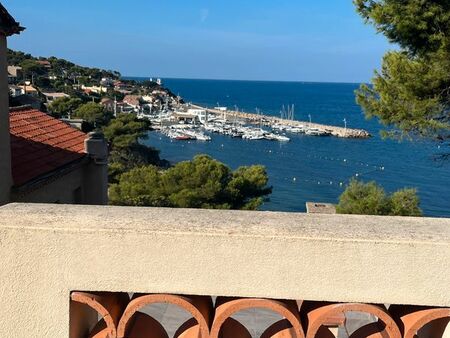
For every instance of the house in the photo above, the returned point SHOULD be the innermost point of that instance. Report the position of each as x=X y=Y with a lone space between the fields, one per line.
x=50 y=97
x=109 y=104
x=44 y=63
x=52 y=162
x=118 y=85
x=15 y=90
x=158 y=92
x=148 y=99
x=107 y=82
x=29 y=90
x=43 y=159
x=202 y=114
x=133 y=101
x=185 y=117
x=94 y=89
x=26 y=100
x=124 y=107
x=14 y=74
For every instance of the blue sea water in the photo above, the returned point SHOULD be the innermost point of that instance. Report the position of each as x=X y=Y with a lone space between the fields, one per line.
x=312 y=168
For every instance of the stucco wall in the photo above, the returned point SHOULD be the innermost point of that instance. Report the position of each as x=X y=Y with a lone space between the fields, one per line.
x=47 y=251
x=86 y=183
x=66 y=189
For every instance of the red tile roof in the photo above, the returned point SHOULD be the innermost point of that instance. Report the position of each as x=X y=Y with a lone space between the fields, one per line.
x=132 y=100
x=41 y=144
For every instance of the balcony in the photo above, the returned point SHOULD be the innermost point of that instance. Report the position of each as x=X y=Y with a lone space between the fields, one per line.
x=86 y=271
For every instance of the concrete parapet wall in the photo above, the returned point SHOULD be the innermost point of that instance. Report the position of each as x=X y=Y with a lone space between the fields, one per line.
x=47 y=251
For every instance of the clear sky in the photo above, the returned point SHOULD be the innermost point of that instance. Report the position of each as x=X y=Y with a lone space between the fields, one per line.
x=298 y=40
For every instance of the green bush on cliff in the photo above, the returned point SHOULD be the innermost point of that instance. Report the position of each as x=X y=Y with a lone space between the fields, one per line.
x=371 y=199
x=200 y=183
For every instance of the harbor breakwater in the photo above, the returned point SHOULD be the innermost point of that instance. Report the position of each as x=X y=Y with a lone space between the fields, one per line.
x=272 y=120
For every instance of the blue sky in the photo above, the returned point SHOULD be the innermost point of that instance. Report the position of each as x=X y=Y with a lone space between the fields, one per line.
x=297 y=40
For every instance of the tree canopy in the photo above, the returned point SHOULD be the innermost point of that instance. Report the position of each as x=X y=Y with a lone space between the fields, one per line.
x=200 y=183
x=63 y=106
x=126 y=152
x=371 y=199
x=412 y=90
x=125 y=129
x=92 y=112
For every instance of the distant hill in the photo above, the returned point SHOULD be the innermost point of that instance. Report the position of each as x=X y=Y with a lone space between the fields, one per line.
x=40 y=66
x=59 y=75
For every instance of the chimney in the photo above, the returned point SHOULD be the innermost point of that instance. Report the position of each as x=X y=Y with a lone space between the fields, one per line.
x=97 y=148
x=96 y=175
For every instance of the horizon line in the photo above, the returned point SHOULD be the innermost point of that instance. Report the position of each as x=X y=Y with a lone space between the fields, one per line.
x=238 y=80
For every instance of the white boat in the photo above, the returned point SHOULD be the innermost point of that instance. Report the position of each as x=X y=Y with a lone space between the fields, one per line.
x=202 y=137
x=197 y=135
x=175 y=135
x=276 y=137
x=296 y=130
x=316 y=132
x=254 y=135
x=282 y=138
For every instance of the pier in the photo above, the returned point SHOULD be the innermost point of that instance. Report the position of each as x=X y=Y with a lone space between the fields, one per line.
x=273 y=120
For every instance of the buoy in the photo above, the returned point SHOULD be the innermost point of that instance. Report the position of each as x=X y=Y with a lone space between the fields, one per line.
x=294 y=179
x=356 y=174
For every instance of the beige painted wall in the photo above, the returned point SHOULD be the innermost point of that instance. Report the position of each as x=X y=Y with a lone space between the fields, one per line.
x=67 y=189
x=95 y=184
x=5 y=146
x=48 y=250
x=86 y=184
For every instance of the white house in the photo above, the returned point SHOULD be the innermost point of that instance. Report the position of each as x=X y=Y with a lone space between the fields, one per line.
x=53 y=96
x=95 y=89
x=201 y=114
x=15 y=90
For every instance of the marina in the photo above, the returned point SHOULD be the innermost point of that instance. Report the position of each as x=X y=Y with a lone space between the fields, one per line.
x=289 y=124
x=193 y=122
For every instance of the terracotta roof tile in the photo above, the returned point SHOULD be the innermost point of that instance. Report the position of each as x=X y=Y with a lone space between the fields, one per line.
x=41 y=144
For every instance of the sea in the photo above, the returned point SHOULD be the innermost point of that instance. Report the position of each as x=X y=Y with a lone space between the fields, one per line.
x=309 y=168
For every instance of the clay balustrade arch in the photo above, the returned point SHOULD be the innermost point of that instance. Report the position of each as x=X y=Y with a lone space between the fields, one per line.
x=319 y=316
x=230 y=328
x=411 y=319
x=109 y=305
x=200 y=307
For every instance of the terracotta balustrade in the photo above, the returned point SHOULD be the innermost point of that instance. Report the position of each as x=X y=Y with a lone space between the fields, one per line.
x=122 y=317
x=270 y=274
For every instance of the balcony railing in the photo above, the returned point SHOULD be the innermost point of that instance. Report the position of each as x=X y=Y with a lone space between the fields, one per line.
x=79 y=271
